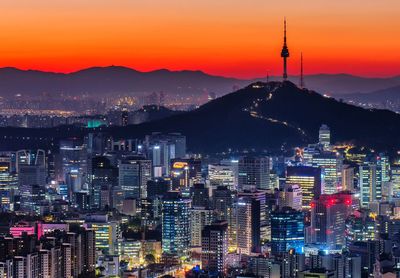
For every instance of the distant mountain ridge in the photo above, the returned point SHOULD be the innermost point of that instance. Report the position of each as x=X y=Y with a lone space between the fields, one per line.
x=262 y=116
x=116 y=80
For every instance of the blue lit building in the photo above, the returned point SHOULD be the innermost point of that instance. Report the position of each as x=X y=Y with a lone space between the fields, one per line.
x=287 y=230
x=175 y=225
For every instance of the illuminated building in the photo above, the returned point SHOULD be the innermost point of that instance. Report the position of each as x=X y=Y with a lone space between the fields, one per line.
x=259 y=216
x=251 y=221
x=359 y=227
x=287 y=231
x=130 y=251
x=134 y=173
x=103 y=177
x=200 y=217
x=328 y=216
x=222 y=175
x=309 y=180
x=74 y=169
x=175 y=225
x=317 y=273
x=151 y=212
x=291 y=196
x=247 y=226
x=45 y=228
x=348 y=178
x=8 y=185
x=161 y=148
x=214 y=247
x=324 y=137
x=185 y=172
x=370 y=183
x=253 y=173
x=395 y=180
x=107 y=234
x=331 y=167
x=22 y=227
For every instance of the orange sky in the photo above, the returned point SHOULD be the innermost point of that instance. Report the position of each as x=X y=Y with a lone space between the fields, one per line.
x=239 y=38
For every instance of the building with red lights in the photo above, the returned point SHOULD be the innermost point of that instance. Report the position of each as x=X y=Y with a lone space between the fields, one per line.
x=328 y=218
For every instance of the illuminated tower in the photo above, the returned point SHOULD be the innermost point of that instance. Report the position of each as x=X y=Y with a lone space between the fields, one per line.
x=285 y=54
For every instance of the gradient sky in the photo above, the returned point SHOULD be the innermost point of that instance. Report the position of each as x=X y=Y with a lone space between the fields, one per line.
x=240 y=38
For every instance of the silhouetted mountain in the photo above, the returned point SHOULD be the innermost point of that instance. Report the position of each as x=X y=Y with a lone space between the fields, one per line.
x=262 y=116
x=108 y=81
x=337 y=84
x=114 y=80
x=390 y=94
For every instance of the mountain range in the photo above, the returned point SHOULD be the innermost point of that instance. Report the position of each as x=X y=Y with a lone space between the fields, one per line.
x=262 y=116
x=116 y=80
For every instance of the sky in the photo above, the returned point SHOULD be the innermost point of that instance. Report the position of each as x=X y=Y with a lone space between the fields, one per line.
x=238 y=38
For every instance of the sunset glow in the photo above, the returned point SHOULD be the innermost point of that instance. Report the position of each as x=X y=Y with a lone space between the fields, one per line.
x=224 y=37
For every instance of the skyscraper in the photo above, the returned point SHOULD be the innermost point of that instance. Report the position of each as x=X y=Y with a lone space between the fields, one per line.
x=253 y=173
x=175 y=225
x=324 y=136
x=370 y=182
x=287 y=230
x=134 y=173
x=103 y=178
x=331 y=166
x=328 y=218
x=291 y=196
x=214 y=247
x=309 y=179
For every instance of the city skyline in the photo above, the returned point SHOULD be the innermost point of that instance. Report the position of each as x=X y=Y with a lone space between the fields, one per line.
x=224 y=38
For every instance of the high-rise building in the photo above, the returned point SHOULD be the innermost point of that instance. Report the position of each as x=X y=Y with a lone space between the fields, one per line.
x=370 y=182
x=324 y=137
x=134 y=173
x=185 y=172
x=291 y=196
x=348 y=178
x=222 y=175
x=107 y=233
x=8 y=185
x=360 y=227
x=200 y=195
x=395 y=180
x=161 y=148
x=103 y=178
x=309 y=180
x=253 y=173
x=74 y=164
x=200 y=217
x=331 y=167
x=175 y=225
x=214 y=247
x=328 y=218
x=287 y=230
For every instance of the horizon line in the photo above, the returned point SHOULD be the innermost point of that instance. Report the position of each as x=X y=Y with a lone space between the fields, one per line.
x=195 y=70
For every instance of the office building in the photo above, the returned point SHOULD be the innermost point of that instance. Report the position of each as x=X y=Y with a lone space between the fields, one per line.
x=214 y=247
x=253 y=173
x=287 y=230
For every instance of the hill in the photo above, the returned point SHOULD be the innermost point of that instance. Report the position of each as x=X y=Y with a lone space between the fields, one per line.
x=263 y=116
x=116 y=80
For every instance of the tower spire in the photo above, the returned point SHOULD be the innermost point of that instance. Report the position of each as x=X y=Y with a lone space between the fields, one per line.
x=285 y=52
x=301 y=71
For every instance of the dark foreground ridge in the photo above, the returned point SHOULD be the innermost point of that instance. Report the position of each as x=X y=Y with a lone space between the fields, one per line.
x=261 y=116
